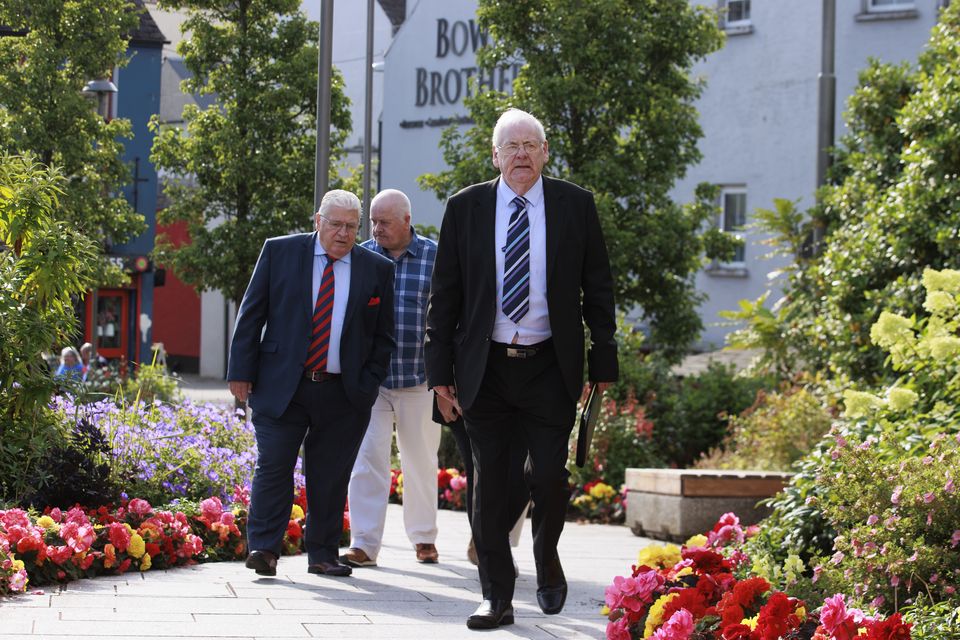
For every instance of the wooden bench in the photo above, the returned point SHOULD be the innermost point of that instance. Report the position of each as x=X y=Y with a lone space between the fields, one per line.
x=674 y=504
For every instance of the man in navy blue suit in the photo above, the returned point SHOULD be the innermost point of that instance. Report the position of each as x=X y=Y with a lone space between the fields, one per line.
x=311 y=345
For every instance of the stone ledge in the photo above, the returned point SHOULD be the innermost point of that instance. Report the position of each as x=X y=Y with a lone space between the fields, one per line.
x=675 y=504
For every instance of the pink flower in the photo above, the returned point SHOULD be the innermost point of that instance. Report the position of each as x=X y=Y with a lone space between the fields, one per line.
x=119 y=536
x=632 y=593
x=872 y=520
x=949 y=488
x=139 y=506
x=18 y=581
x=211 y=508
x=894 y=581
x=895 y=496
x=928 y=497
x=78 y=537
x=678 y=627
x=618 y=630
x=837 y=557
x=241 y=495
x=228 y=518
x=955 y=538
x=835 y=618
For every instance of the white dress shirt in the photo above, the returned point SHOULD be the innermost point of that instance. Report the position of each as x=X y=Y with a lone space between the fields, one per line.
x=341 y=291
x=534 y=326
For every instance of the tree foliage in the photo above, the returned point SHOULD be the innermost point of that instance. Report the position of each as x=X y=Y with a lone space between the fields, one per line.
x=56 y=48
x=44 y=262
x=242 y=170
x=611 y=82
x=891 y=210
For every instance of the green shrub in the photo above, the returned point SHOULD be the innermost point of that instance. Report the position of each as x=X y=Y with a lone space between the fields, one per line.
x=932 y=620
x=150 y=383
x=777 y=431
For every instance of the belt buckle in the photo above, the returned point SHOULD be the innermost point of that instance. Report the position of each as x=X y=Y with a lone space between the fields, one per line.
x=513 y=352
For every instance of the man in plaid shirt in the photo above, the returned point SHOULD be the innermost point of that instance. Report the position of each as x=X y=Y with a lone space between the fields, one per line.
x=404 y=400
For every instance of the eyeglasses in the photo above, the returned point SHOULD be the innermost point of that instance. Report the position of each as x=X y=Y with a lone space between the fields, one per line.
x=351 y=227
x=513 y=148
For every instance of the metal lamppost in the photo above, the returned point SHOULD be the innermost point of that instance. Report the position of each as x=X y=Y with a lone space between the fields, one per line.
x=102 y=89
x=367 y=124
x=324 y=78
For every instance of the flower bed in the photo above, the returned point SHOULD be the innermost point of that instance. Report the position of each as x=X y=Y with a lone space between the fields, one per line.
x=706 y=590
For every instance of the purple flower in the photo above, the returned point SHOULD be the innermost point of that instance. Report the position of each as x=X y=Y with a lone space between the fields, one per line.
x=895 y=496
x=872 y=520
x=928 y=497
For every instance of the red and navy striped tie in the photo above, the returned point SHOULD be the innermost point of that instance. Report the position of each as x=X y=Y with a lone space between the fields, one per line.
x=322 y=318
x=516 y=263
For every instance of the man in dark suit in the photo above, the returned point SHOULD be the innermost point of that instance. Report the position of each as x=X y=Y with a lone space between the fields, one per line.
x=311 y=346
x=521 y=264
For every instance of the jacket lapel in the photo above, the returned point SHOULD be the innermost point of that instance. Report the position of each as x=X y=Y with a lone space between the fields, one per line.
x=357 y=274
x=306 y=268
x=484 y=229
x=554 y=214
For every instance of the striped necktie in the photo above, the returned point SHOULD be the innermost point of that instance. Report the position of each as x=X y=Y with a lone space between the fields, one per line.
x=322 y=317
x=516 y=263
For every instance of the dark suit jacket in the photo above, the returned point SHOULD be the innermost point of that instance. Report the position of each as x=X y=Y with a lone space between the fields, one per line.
x=463 y=293
x=280 y=297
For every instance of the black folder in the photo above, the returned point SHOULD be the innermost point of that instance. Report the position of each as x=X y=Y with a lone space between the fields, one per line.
x=588 y=421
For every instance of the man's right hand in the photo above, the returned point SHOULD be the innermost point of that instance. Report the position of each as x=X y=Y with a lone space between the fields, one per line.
x=448 y=393
x=449 y=412
x=240 y=389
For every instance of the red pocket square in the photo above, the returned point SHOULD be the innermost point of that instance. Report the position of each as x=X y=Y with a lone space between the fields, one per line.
x=374 y=301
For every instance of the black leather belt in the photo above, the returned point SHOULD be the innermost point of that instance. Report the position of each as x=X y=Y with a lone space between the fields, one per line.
x=320 y=376
x=522 y=351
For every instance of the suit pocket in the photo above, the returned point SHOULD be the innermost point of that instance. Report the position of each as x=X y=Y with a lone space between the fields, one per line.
x=269 y=347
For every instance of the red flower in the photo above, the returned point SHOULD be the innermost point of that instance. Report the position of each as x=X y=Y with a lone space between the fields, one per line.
x=443 y=478
x=746 y=592
x=692 y=599
x=893 y=628
x=705 y=560
x=293 y=530
x=777 y=617
x=736 y=632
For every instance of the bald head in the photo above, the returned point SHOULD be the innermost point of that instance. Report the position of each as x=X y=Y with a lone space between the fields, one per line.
x=390 y=221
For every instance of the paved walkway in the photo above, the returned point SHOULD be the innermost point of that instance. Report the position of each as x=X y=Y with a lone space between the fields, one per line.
x=399 y=599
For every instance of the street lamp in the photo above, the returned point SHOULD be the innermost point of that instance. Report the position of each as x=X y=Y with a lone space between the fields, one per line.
x=102 y=89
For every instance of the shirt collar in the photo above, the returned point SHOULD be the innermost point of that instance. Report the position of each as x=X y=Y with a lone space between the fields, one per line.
x=318 y=250
x=534 y=196
x=414 y=248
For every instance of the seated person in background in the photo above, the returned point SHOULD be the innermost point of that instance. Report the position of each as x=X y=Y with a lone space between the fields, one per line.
x=70 y=364
x=86 y=350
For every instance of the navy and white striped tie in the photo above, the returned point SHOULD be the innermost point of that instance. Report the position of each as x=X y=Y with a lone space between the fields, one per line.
x=516 y=263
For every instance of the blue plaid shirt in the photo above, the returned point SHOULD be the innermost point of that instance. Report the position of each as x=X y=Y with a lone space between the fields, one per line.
x=412 y=288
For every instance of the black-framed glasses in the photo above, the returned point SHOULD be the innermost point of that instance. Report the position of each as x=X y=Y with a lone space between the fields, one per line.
x=351 y=227
x=509 y=149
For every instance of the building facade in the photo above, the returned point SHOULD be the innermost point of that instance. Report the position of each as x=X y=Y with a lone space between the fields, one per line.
x=759 y=111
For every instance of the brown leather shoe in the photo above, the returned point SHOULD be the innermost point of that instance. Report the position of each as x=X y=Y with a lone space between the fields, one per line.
x=427 y=553
x=263 y=562
x=330 y=569
x=357 y=558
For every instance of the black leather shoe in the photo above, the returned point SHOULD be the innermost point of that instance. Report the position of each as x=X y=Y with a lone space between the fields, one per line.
x=263 y=562
x=551 y=587
x=491 y=614
x=330 y=569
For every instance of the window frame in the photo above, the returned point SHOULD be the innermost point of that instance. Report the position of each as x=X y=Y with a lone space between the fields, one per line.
x=899 y=5
x=725 y=190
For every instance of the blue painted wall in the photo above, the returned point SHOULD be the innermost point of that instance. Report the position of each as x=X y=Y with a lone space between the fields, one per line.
x=138 y=98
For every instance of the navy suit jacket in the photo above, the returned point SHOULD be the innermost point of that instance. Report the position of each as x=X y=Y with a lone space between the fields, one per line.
x=274 y=324
x=463 y=292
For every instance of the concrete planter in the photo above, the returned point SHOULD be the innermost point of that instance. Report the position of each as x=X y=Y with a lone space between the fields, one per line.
x=674 y=504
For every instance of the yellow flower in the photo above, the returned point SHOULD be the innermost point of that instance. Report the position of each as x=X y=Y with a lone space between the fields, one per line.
x=890 y=329
x=582 y=501
x=698 y=540
x=751 y=622
x=145 y=562
x=859 y=403
x=939 y=302
x=296 y=513
x=802 y=612
x=947 y=280
x=655 y=615
x=602 y=491
x=604 y=611
x=48 y=523
x=793 y=568
x=17 y=565
x=137 y=546
x=944 y=347
x=655 y=555
x=900 y=399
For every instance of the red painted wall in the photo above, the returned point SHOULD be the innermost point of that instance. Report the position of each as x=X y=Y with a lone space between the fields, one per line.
x=176 y=307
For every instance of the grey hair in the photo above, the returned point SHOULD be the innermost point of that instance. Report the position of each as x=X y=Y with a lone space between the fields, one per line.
x=511 y=116
x=68 y=351
x=340 y=199
x=392 y=194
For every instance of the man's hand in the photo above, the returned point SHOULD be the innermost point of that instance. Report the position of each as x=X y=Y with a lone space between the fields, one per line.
x=240 y=389
x=449 y=412
x=448 y=393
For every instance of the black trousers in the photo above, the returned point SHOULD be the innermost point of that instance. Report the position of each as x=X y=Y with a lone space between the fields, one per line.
x=522 y=402
x=330 y=429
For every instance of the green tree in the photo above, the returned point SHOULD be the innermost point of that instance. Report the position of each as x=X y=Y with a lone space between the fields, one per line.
x=611 y=82
x=44 y=262
x=56 y=47
x=242 y=170
x=892 y=209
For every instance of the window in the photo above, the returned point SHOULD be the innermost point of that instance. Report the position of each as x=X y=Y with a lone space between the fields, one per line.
x=733 y=216
x=735 y=16
x=889 y=5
